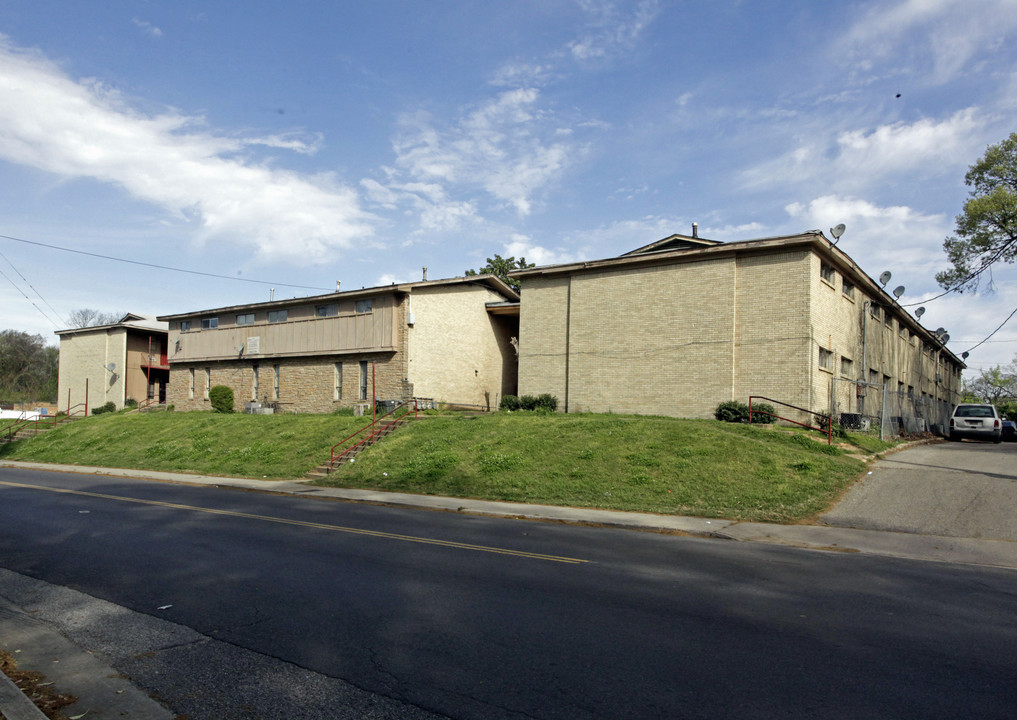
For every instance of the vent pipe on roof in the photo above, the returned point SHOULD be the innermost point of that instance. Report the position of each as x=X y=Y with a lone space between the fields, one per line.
x=425 y=275
x=337 y=282
x=271 y=294
x=695 y=230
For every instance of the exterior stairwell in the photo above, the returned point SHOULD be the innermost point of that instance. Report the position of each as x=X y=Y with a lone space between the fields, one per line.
x=346 y=451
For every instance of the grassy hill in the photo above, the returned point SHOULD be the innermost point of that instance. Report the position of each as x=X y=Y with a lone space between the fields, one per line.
x=650 y=464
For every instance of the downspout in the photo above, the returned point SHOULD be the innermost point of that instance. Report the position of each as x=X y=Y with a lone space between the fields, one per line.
x=865 y=364
x=568 y=339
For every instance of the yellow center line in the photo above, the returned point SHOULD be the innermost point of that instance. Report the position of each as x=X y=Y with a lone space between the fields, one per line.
x=303 y=523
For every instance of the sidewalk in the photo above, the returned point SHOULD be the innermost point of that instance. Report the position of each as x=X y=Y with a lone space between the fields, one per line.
x=98 y=686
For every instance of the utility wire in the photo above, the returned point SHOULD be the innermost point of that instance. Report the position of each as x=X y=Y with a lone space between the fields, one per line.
x=996 y=330
x=41 y=311
x=55 y=311
x=163 y=267
x=986 y=264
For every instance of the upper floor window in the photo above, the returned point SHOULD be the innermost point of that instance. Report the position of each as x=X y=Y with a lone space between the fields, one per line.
x=876 y=310
x=825 y=359
x=326 y=310
x=245 y=319
x=846 y=366
x=849 y=289
x=365 y=306
x=826 y=272
x=185 y=325
x=275 y=316
x=209 y=323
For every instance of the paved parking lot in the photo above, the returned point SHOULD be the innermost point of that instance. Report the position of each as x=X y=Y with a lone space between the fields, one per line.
x=961 y=489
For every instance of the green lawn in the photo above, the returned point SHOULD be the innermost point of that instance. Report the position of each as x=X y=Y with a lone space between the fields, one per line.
x=649 y=464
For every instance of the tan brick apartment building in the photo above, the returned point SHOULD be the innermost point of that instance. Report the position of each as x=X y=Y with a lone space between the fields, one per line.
x=123 y=360
x=680 y=325
x=445 y=340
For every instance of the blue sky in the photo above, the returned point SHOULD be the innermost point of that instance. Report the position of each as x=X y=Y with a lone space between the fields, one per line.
x=303 y=143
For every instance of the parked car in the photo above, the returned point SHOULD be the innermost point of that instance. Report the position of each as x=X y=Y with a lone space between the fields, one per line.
x=1009 y=430
x=978 y=421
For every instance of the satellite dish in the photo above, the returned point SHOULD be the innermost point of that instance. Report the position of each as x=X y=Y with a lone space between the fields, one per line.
x=898 y=291
x=885 y=278
x=111 y=367
x=964 y=355
x=944 y=338
x=919 y=312
x=837 y=231
x=940 y=331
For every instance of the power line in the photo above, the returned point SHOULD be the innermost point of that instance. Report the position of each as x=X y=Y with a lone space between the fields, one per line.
x=55 y=311
x=41 y=311
x=986 y=264
x=163 y=267
x=996 y=330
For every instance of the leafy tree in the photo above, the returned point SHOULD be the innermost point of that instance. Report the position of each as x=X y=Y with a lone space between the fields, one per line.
x=502 y=267
x=986 y=231
x=221 y=398
x=28 y=367
x=87 y=317
x=996 y=385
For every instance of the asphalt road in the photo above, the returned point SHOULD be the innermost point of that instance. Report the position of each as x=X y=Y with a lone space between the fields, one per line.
x=958 y=489
x=419 y=614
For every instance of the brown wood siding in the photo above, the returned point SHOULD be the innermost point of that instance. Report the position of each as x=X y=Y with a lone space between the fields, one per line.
x=346 y=332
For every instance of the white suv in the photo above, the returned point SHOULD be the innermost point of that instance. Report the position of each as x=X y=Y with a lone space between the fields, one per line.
x=979 y=421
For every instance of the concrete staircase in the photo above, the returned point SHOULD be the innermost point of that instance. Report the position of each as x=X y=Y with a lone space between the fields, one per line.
x=384 y=429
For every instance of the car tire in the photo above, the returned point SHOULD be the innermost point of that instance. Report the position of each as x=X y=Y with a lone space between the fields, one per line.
x=997 y=439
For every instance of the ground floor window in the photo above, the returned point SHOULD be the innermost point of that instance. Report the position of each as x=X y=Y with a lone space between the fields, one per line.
x=363 y=379
x=208 y=381
x=275 y=382
x=338 y=395
x=190 y=387
x=254 y=384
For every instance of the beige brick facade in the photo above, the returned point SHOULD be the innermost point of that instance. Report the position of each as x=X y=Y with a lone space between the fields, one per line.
x=677 y=332
x=430 y=339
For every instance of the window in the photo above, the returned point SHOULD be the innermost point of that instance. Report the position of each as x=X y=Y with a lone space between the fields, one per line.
x=876 y=311
x=208 y=381
x=826 y=272
x=275 y=316
x=846 y=366
x=275 y=382
x=849 y=289
x=873 y=377
x=185 y=325
x=825 y=359
x=209 y=323
x=254 y=384
x=363 y=379
x=903 y=331
x=338 y=381
x=888 y=319
x=245 y=319
x=326 y=310
x=365 y=306
x=190 y=388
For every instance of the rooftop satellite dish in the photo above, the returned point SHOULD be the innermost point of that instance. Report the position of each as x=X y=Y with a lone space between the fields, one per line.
x=964 y=355
x=885 y=278
x=940 y=331
x=919 y=312
x=837 y=231
x=898 y=291
x=944 y=338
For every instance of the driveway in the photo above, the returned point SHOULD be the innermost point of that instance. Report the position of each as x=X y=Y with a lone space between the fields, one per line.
x=961 y=489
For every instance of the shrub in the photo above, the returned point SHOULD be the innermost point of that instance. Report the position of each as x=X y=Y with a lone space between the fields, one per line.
x=221 y=397
x=527 y=402
x=547 y=402
x=759 y=414
x=105 y=408
x=130 y=403
x=732 y=411
x=509 y=402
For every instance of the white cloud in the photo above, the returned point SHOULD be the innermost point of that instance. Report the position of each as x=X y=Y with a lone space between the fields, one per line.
x=497 y=148
x=858 y=158
x=945 y=34
x=82 y=129
x=522 y=246
x=897 y=238
x=612 y=30
x=147 y=27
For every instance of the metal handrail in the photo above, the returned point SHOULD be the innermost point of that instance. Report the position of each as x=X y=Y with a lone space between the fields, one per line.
x=828 y=430
x=19 y=425
x=373 y=427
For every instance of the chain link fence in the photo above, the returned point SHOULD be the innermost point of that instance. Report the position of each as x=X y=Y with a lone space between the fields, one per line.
x=872 y=408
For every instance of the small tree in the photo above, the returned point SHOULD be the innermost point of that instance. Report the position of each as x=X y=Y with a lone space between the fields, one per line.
x=502 y=267
x=221 y=397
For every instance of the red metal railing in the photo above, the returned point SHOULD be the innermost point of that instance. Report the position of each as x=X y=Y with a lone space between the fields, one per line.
x=39 y=420
x=377 y=428
x=828 y=430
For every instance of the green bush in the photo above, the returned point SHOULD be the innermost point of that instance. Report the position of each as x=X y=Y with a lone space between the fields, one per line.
x=738 y=412
x=527 y=402
x=131 y=403
x=221 y=397
x=547 y=402
x=105 y=408
x=509 y=402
